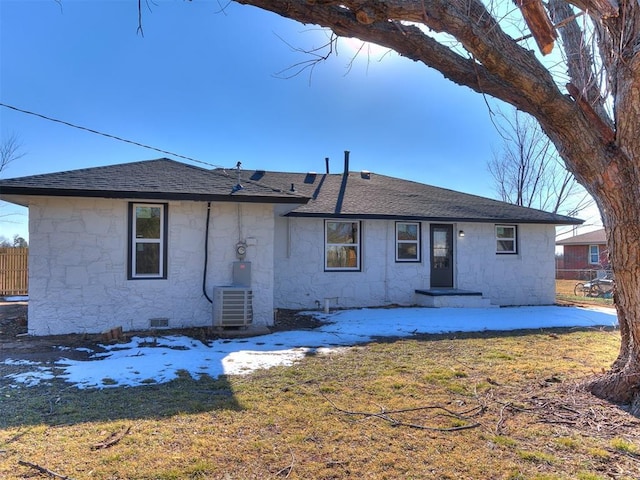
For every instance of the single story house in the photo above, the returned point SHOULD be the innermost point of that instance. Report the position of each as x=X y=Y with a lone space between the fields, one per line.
x=583 y=256
x=160 y=243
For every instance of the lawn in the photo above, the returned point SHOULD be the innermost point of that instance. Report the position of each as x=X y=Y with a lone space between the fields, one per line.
x=466 y=406
x=565 y=295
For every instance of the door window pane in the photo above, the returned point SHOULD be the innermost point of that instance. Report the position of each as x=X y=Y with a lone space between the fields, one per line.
x=441 y=254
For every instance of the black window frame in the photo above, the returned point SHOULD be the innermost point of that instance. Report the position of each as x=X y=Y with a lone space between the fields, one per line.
x=515 y=239
x=358 y=245
x=418 y=242
x=164 y=241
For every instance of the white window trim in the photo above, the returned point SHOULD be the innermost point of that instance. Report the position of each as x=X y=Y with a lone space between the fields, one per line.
x=134 y=241
x=357 y=268
x=514 y=238
x=597 y=262
x=416 y=242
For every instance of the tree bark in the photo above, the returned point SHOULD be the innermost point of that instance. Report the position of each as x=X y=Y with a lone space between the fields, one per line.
x=622 y=383
x=539 y=23
x=618 y=190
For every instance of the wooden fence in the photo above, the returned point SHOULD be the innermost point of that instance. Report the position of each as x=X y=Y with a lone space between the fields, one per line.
x=14 y=271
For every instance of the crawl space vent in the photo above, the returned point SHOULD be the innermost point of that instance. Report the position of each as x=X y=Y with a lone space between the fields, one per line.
x=158 y=322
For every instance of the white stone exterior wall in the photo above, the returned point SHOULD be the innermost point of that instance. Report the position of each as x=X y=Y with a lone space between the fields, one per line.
x=526 y=278
x=78 y=265
x=302 y=282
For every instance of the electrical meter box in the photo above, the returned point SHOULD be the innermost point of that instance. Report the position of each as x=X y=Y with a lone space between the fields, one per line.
x=242 y=274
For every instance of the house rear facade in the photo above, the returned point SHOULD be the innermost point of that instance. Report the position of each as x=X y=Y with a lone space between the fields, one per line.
x=147 y=244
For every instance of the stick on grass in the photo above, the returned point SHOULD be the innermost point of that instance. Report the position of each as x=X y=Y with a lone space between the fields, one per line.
x=44 y=470
x=111 y=439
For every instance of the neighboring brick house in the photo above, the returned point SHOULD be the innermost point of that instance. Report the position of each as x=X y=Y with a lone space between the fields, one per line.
x=584 y=255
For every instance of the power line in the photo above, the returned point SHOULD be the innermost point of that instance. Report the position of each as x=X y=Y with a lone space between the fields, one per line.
x=115 y=137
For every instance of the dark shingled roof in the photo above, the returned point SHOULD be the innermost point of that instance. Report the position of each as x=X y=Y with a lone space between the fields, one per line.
x=369 y=195
x=356 y=195
x=162 y=179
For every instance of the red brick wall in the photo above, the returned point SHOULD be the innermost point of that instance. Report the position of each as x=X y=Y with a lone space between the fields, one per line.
x=576 y=257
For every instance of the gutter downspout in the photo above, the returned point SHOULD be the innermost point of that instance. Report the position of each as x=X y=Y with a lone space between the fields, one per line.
x=206 y=254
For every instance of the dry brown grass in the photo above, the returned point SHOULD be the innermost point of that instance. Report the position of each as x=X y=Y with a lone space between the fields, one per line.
x=472 y=406
x=565 y=287
x=565 y=295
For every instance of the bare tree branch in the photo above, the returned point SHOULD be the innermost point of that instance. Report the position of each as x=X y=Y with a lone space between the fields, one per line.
x=580 y=60
x=391 y=416
x=528 y=172
x=43 y=470
x=10 y=151
x=318 y=55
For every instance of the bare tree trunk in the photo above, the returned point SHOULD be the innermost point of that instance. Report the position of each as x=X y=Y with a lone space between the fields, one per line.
x=620 y=195
x=622 y=383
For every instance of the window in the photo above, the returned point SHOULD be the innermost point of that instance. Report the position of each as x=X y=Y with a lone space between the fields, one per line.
x=594 y=254
x=407 y=242
x=506 y=241
x=147 y=240
x=342 y=246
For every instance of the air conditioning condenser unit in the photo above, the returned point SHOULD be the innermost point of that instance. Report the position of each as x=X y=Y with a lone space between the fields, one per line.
x=232 y=307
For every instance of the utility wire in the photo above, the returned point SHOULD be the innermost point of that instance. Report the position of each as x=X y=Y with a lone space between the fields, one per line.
x=90 y=130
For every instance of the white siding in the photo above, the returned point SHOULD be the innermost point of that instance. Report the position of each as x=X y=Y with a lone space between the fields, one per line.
x=78 y=265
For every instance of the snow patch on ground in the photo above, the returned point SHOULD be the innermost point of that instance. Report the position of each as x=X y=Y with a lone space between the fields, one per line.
x=147 y=360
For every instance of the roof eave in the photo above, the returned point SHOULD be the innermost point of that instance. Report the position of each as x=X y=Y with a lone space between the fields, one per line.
x=231 y=197
x=562 y=221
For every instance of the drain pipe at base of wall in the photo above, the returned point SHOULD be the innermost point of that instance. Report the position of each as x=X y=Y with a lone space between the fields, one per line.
x=206 y=254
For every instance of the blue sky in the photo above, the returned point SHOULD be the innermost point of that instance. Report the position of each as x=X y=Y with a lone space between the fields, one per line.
x=204 y=84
